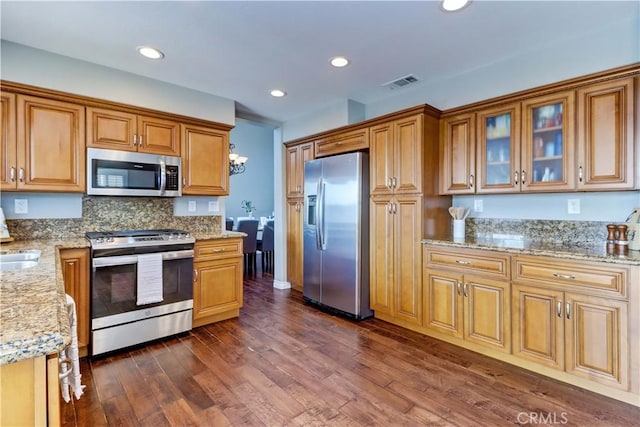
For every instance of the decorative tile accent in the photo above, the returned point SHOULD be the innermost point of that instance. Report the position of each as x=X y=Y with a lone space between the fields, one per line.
x=100 y=213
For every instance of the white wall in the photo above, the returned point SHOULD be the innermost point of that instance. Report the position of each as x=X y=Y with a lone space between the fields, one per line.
x=36 y=67
x=341 y=113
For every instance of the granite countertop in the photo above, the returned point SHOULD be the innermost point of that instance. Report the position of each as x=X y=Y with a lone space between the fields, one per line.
x=521 y=245
x=33 y=314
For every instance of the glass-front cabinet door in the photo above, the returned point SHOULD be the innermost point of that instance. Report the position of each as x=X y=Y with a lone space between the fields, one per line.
x=498 y=167
x=548 y=143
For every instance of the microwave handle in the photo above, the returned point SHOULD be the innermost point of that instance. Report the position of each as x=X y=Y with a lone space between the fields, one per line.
x=163 y=177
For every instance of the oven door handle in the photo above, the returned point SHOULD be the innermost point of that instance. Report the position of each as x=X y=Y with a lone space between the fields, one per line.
x=133 y=259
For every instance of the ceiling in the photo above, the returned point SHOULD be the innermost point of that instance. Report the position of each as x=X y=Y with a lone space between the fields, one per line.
x=242 y=49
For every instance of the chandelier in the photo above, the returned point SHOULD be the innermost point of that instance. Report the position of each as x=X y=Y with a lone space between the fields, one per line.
x=236 y=162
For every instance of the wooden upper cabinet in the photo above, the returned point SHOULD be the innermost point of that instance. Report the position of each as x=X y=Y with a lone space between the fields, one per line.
x=396 y=156
x=342 y=143
x=8 y=166
x=120 y=130
x=296 y=156
x=50 y=147
x=458 y=154
x=498 y=149
x=205 y=161
x=548 y=149
x=605 y=136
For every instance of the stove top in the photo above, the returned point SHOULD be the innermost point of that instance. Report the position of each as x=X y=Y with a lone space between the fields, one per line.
x=134 y=238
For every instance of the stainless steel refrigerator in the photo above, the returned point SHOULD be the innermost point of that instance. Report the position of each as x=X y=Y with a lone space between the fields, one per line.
x=336 y=234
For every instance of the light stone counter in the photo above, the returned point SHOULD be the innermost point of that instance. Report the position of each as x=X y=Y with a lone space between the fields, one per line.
x=519 y=245
x=33 y=315
x=203 y=235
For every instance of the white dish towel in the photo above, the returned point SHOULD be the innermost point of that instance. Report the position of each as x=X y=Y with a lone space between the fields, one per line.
x=149 y=278
x=70 y=354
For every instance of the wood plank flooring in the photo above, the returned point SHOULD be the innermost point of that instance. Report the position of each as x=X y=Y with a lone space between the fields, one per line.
x=283 y=363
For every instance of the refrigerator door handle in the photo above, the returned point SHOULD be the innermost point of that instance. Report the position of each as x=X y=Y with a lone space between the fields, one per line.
x=320 y=217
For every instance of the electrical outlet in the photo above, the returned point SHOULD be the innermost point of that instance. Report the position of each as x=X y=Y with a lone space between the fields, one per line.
x=191 y=206
x=21 y=206
x=214 y=206
x=477 y=205
x=573 y=206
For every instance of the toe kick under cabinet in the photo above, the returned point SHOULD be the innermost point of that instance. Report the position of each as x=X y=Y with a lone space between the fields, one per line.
x=577 y=321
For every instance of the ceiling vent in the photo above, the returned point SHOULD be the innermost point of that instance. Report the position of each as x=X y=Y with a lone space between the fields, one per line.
x=401 y=82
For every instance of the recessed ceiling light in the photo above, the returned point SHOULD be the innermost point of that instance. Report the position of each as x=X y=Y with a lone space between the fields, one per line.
x=150 y=52
x=453 y=5
x=278 y=93
x=339 y=61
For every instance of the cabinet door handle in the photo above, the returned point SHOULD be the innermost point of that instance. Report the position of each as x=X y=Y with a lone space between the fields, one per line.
x=465 y=289
x=523 y=176
x=12 y=174
x=515 y=177
x=389 y=207
x=395 y=182
x=559 y=309
x=184 y=181
x=21 y=175
x=389 y=183
x=459 y=286
x=568 y=308
x=459 y=261
x=580 y=174
x=195 y=275
x=564 y=276
x=140 y=141
x=395 y=207
x=471 y=181
x=135 y=139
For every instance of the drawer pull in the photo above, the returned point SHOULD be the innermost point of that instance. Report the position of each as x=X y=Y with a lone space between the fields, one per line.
x=459 y=261
x=564 y=276
x=218 y=250
x=559 y=309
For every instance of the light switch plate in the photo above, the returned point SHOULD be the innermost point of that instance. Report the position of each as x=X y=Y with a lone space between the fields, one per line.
x=21 y=206
x=573 y=206
x=477 y=205
x=214 y=206
x=191 y=206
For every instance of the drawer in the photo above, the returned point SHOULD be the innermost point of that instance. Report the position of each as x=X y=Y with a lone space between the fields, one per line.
x=217 y=249
x=603 y=278
x=468 y=261
x=343 y=143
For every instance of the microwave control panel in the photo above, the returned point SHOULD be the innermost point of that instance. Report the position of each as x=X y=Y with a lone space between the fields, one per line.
x=172 y=178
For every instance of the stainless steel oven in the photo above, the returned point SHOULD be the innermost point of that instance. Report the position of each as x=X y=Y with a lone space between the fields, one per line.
x=118 y=316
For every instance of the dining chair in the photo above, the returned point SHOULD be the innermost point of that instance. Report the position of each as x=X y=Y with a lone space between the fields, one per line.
x=266 y=246
x=228 y=224
x=250 y=242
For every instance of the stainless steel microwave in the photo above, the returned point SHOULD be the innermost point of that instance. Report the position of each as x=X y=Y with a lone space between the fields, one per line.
x=127 y=173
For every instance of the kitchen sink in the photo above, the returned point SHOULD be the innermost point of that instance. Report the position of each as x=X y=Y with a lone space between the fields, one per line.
x=16 y=265
x=19 y=260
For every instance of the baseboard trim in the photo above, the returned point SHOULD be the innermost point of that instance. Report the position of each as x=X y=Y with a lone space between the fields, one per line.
x=279 y=284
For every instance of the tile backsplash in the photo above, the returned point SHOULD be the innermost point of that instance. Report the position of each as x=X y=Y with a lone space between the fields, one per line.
x=101 y=213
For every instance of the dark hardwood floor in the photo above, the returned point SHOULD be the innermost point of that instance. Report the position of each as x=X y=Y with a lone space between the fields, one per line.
x=285 y=363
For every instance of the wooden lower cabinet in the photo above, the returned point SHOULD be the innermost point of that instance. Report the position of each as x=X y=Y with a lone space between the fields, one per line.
x=295 y=242
x=475 y=309
x=217 y=287
x=75 y=271
x=30 y=392
x=395 y=258
x=577 y=321
x=581 y=334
